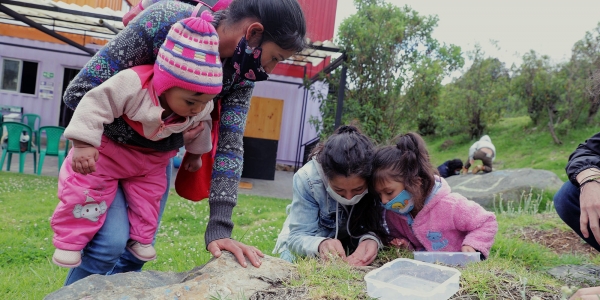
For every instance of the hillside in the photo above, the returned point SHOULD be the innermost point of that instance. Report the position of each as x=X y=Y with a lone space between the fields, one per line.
x=518 y=145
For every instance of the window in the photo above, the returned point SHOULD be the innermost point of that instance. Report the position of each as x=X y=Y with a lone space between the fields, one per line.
x=19 y=76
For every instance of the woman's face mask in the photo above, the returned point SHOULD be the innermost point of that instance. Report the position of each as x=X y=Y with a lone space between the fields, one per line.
x=402 y=203
x=247 y=62
x=341 y=200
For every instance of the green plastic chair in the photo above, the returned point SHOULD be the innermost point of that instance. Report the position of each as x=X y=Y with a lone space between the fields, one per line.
x=53 y=138
x=34 y=121
x=14 y=130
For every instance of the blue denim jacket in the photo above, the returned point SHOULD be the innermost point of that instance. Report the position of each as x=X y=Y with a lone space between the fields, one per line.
x=311 y=216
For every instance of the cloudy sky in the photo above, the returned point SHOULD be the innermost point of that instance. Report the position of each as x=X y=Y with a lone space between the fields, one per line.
x=549 y=27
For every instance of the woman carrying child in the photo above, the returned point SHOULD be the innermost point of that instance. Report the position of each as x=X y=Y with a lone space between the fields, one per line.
x=332 y=212
x=254 y=35
x=421 y=212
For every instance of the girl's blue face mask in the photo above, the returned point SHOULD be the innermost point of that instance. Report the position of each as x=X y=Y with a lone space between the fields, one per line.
x=402 y=203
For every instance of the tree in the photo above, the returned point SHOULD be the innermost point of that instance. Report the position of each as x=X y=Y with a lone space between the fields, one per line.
x=475 y=100
x=586 y=59
x=386 y=45
x=540 y=86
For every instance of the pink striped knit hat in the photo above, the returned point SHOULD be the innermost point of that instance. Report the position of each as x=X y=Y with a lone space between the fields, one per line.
x=189 y=58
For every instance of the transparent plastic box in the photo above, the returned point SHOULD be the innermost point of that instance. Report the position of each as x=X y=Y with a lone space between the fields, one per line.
x=448 y=258
x=405 y=278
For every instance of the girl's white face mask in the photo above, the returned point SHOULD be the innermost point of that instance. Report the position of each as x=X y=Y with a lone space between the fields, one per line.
x=341 y=200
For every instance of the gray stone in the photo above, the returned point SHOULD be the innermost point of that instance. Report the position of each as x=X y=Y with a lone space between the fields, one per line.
x=577 y=275
x=221 y=278
x=482 y=187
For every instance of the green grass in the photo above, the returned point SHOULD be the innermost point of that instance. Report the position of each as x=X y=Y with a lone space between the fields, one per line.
x=27 y=203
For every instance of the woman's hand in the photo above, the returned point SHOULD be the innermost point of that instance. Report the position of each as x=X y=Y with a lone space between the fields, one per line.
x=466 y=248
x=238 y=249
x=191 y=133
x=84 y=157
x=589 y=203
x=331 y=247
x=591 y=293
x=365 y=253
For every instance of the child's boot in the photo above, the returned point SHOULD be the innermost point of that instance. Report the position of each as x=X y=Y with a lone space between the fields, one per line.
x=144 y=252
x=477 y=169
x=66 y=258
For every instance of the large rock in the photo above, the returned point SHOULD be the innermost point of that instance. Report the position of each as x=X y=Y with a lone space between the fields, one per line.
x=221 y=278
x=511 y=183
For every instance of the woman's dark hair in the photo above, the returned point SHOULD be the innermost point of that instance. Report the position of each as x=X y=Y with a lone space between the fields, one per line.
x=454 y=165
x=346 y=152
x=407 y=162
x=283 y=20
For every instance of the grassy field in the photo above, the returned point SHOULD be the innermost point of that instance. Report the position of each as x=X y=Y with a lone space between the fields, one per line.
x=516 y=266
x=518 y=145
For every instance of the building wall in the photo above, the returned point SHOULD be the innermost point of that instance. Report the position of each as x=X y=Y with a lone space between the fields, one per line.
x=292 y=95
x=49 y=62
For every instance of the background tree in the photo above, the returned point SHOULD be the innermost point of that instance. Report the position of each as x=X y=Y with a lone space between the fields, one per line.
x=539 y=85
x=386 y=46
x=476 y=98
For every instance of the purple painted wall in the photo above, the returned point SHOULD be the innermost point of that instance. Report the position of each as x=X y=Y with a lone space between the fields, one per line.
x=48 y=61
x=292 y=108
x=55 y=62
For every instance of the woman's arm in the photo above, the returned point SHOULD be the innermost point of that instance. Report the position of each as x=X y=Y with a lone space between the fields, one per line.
x=304 y=218
x=586 y=156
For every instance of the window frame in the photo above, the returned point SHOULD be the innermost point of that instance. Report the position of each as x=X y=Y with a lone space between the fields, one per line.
x=19 y=75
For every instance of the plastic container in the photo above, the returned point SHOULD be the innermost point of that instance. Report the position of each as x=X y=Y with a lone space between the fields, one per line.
x=448 y=258
x=405 y=278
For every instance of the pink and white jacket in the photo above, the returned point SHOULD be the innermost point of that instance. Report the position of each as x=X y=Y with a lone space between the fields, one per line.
x=129 y=93
x=446 y=223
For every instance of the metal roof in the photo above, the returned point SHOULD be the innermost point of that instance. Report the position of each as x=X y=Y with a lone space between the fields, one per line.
x=63 y=17
x=105 y=23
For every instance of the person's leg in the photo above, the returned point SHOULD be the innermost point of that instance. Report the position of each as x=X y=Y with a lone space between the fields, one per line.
x=103 y=251
x=487 y=164
x=129 y=263
x=566 y=203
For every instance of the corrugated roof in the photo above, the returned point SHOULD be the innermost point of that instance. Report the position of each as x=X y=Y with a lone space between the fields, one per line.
x=60 y=16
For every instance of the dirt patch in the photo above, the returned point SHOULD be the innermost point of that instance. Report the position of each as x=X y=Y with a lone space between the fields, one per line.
x=559 y=241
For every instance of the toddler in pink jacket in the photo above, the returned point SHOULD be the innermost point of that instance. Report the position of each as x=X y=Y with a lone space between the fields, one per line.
x=422 y=213
x=156 y=101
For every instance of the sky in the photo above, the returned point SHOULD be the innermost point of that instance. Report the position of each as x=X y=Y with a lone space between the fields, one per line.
x=549 y=27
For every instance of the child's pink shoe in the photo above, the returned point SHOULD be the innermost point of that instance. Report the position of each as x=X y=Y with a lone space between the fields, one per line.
x=144 y=252
x=66 y=258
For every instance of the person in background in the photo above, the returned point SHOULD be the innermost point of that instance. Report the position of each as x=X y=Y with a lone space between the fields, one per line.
x=482 y=150
x=450 y=167
x=332 y=211
x=421 y=212
x=254 y=36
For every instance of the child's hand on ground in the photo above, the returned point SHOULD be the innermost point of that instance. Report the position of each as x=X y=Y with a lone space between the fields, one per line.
x=365 y=253
x=466 y=248
x=192 y=162
x=331 y=247
x=84 y=158
x=400 y=243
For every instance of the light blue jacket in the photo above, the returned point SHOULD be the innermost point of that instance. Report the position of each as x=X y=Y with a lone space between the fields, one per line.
x=312 y=217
